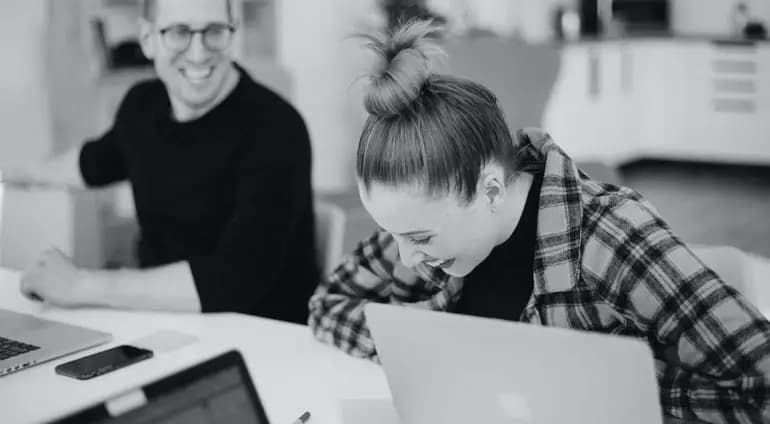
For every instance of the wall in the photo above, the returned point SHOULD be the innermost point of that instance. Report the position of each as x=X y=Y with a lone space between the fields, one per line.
x=521 y=75
x=31 y=131
x=314 y=45
x=24 y=113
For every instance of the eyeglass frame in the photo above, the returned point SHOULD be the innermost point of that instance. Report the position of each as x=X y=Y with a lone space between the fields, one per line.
x=230 y=27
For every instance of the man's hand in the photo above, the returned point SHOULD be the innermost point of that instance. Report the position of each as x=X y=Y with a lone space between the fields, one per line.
x=53 y=278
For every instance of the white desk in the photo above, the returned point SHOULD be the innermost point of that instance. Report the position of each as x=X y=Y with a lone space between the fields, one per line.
x=291 y=371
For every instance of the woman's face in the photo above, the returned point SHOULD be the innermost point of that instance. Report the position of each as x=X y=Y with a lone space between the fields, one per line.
x=438 y=231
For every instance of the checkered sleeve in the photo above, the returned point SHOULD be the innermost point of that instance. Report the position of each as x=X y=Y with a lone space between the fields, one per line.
x=337 y=306
x=711 y=345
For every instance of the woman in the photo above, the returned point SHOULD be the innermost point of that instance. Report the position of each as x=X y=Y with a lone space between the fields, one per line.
x=490 y=225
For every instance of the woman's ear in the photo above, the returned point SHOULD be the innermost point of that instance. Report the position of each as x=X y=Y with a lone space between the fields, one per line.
x=492 y=186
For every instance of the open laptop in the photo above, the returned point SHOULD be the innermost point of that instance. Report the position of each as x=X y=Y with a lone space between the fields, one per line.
x=454 y=369
x=215 y=391
x=26 y=340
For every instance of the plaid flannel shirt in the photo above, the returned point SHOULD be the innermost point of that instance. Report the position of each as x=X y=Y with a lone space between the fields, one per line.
x=605 y=261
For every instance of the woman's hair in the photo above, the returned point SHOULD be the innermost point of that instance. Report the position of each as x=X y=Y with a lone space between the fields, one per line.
x=434 y=130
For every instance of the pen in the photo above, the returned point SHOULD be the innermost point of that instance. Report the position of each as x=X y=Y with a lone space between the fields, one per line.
x=302 y=418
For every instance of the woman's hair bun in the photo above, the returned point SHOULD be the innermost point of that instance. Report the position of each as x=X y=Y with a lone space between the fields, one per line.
x=405 y=55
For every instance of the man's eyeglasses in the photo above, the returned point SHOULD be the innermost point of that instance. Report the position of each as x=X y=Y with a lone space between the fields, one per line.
x=216 y=37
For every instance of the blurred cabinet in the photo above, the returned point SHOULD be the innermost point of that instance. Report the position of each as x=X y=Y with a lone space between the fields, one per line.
x=663 y=98
x=733 y=109
x=34 y=220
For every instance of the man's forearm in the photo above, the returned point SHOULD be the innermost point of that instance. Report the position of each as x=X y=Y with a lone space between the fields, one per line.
x=168 y=288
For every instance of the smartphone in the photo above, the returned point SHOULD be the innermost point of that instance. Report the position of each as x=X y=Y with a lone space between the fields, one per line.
x=103 y=362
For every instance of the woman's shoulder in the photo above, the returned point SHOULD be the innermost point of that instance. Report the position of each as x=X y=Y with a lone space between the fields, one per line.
x=617 y=208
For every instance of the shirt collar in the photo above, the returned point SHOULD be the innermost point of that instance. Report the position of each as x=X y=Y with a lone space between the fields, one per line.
x=558 y=253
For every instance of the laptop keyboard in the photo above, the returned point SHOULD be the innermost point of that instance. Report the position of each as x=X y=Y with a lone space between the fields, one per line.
x=10 y=348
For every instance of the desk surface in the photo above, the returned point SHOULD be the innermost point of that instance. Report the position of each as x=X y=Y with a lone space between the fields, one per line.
x=291 y=371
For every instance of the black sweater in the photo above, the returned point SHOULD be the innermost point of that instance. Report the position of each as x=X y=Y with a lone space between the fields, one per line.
x=228 y=192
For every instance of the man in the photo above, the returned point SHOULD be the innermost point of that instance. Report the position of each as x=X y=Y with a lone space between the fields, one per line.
x=220 y=170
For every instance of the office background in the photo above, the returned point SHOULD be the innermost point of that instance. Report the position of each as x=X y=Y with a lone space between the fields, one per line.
x=664 y=96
